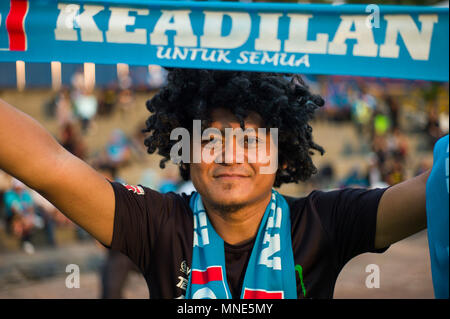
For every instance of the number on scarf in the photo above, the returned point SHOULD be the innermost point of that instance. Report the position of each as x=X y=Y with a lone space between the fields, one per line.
x=203 y=230
x=266 y=257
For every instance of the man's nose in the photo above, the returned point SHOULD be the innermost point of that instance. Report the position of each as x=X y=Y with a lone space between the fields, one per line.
x=232 y=152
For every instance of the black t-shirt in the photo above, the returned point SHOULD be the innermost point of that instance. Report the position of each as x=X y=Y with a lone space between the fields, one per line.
x=328 y=229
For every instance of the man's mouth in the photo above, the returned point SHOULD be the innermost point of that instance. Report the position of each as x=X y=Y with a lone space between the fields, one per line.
x=231 y=177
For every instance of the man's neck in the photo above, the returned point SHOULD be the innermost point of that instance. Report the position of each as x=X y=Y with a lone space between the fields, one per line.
x=241 y=225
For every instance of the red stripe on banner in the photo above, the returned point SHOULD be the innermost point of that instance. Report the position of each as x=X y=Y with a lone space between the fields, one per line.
x=213 y=273
x=260 y=294
x=15 y=24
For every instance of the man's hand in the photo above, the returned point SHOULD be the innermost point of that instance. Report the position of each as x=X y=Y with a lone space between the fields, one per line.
x=402 y=211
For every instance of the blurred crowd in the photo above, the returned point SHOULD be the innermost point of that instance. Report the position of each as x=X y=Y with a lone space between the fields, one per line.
x=26 y=216
x=384 y=113
x=25 y=212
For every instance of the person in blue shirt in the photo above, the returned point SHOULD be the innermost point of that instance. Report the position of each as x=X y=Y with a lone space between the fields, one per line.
x=437 y=218
x=20 y=215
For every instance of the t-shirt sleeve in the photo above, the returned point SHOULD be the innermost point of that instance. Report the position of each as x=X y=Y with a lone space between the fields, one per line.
x=137 y=219
x=349 y=218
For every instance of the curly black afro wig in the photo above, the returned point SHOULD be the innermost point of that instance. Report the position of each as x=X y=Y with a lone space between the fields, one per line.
x=282 y=101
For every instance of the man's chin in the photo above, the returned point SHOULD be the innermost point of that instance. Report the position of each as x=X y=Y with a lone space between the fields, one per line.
x=235 y=190
x=228 y=205
x=229 y=200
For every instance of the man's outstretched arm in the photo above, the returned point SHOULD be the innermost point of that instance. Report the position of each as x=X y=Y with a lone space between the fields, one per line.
x=402 y=211
x=29 y=153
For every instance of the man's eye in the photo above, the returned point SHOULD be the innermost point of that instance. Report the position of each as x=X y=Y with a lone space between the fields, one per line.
x=212 y=140
x=250 y=141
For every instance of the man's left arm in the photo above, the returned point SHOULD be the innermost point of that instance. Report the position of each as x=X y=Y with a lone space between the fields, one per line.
x=401 y=211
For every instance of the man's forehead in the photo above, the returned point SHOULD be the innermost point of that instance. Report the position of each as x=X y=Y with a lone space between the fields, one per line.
x=222 y=118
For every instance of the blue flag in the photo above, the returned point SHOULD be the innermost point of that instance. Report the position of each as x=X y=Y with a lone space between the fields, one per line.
x=379 y=41
x=437 y=218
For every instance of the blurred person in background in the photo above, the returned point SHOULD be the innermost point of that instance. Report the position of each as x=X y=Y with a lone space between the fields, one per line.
x=444 y=122
x=374 y=173
x=356 y=178
x=432 y=128
x=325 y=178
x=394 y=171
x=337 y=106
x=125 y=96
x=170 y=180
x=380 y=149
x=86 y=105
x=107 y=101
x=5 y=185
x=126 y=101
x=64 y=108
x=398 y=145
x=394 y=108
x=423 y=166
x=21 y=217
x=77 y=82
x=72 y=140
x=362 y=113
x=381 y=124
x=157 y=77
x=117 y=266
x=48 y=212
x=117 y=149
x=149 y=178
x=137 y=142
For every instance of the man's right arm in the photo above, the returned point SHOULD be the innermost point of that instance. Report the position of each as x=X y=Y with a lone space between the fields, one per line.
x=29 y=153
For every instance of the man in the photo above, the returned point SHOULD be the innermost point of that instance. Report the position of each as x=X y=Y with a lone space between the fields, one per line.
x=236 y=237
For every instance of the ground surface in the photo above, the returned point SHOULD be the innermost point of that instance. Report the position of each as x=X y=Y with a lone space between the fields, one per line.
x=404 y=273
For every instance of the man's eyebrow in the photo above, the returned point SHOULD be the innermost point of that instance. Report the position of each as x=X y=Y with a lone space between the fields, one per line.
x=252 y=130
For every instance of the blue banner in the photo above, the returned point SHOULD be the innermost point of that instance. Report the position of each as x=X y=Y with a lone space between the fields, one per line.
x=375 y=40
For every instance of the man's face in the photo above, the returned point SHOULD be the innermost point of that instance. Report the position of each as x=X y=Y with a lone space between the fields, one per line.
x=233 y=183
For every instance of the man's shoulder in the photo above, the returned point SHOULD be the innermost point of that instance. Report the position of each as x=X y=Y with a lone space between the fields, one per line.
x=321 y=200
x=145 y=197
x=296 y=203
x=291 y=200
x=186 y=197
x=181 y=198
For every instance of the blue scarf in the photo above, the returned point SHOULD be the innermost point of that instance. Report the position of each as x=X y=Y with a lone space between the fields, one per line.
x=270 y=271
